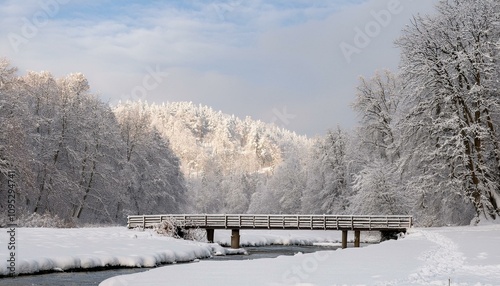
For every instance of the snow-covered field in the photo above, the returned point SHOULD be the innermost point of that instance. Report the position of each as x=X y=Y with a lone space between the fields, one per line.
x=435 y=256
x=47 y=249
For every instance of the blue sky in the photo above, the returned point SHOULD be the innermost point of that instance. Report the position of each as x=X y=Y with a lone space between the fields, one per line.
x=276 y=61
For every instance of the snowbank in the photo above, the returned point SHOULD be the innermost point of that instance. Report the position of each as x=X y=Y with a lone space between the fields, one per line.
x=437 y=256
x=48 y=249
x=52 y=249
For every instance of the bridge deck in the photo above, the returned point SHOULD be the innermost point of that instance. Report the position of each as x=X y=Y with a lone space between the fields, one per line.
x=251 y=221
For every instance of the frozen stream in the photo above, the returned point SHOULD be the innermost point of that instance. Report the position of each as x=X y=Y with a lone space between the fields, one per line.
x=87 y=278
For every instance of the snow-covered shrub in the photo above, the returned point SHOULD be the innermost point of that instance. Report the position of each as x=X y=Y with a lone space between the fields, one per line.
x=169 y=227
x=196 y=234
x=45 y=220
x=173 y=228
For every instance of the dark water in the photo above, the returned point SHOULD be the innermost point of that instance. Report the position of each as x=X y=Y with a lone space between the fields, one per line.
x=88 y=278
x=78 y=278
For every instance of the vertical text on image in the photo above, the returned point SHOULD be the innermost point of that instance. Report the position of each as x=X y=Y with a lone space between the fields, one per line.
x=11 y=226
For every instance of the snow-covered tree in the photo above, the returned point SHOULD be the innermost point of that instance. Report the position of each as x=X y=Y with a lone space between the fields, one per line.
x=263 y=201
x=327 y=185
x=15 y=149
x=151 y=171
x=9 y=114
x=73 y=136
x=223 y=156
x=74 y=158
x=378 y=190
x=43 y=96
x=377 y=186
x=377 y=104
x=450 y=63
x=97 y=161
x=288 y=182
x=206 y=194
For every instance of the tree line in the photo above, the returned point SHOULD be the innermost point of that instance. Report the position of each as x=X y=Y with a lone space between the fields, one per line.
x=76 y=158
x=427 y=142
x=431 y=129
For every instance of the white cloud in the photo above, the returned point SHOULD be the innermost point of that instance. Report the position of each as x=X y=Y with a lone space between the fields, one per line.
x=244 y=57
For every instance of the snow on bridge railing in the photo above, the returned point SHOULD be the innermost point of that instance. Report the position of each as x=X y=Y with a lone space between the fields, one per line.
x=272 y=221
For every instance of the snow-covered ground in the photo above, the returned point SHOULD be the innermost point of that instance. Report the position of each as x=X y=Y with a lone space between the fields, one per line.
x=435 y=256
x=47 y=249
x=52 y=249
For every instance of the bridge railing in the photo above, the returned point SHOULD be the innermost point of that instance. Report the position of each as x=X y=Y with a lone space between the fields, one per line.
x=271 y=221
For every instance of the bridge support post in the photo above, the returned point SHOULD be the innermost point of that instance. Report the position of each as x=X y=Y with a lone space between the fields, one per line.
x=210 y=235
x=344 y=238
x=357 y=238
x=235 y=238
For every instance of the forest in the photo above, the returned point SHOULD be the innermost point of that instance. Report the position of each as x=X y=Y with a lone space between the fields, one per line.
x=426 y=143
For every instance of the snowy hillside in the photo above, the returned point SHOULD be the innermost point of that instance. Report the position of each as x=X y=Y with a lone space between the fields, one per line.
x=225 y=159
x=201 y=136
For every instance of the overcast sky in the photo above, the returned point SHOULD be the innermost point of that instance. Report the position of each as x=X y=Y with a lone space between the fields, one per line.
x=292 y=62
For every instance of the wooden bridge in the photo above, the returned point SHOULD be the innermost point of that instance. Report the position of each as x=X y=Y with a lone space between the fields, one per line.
x=235 y=222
